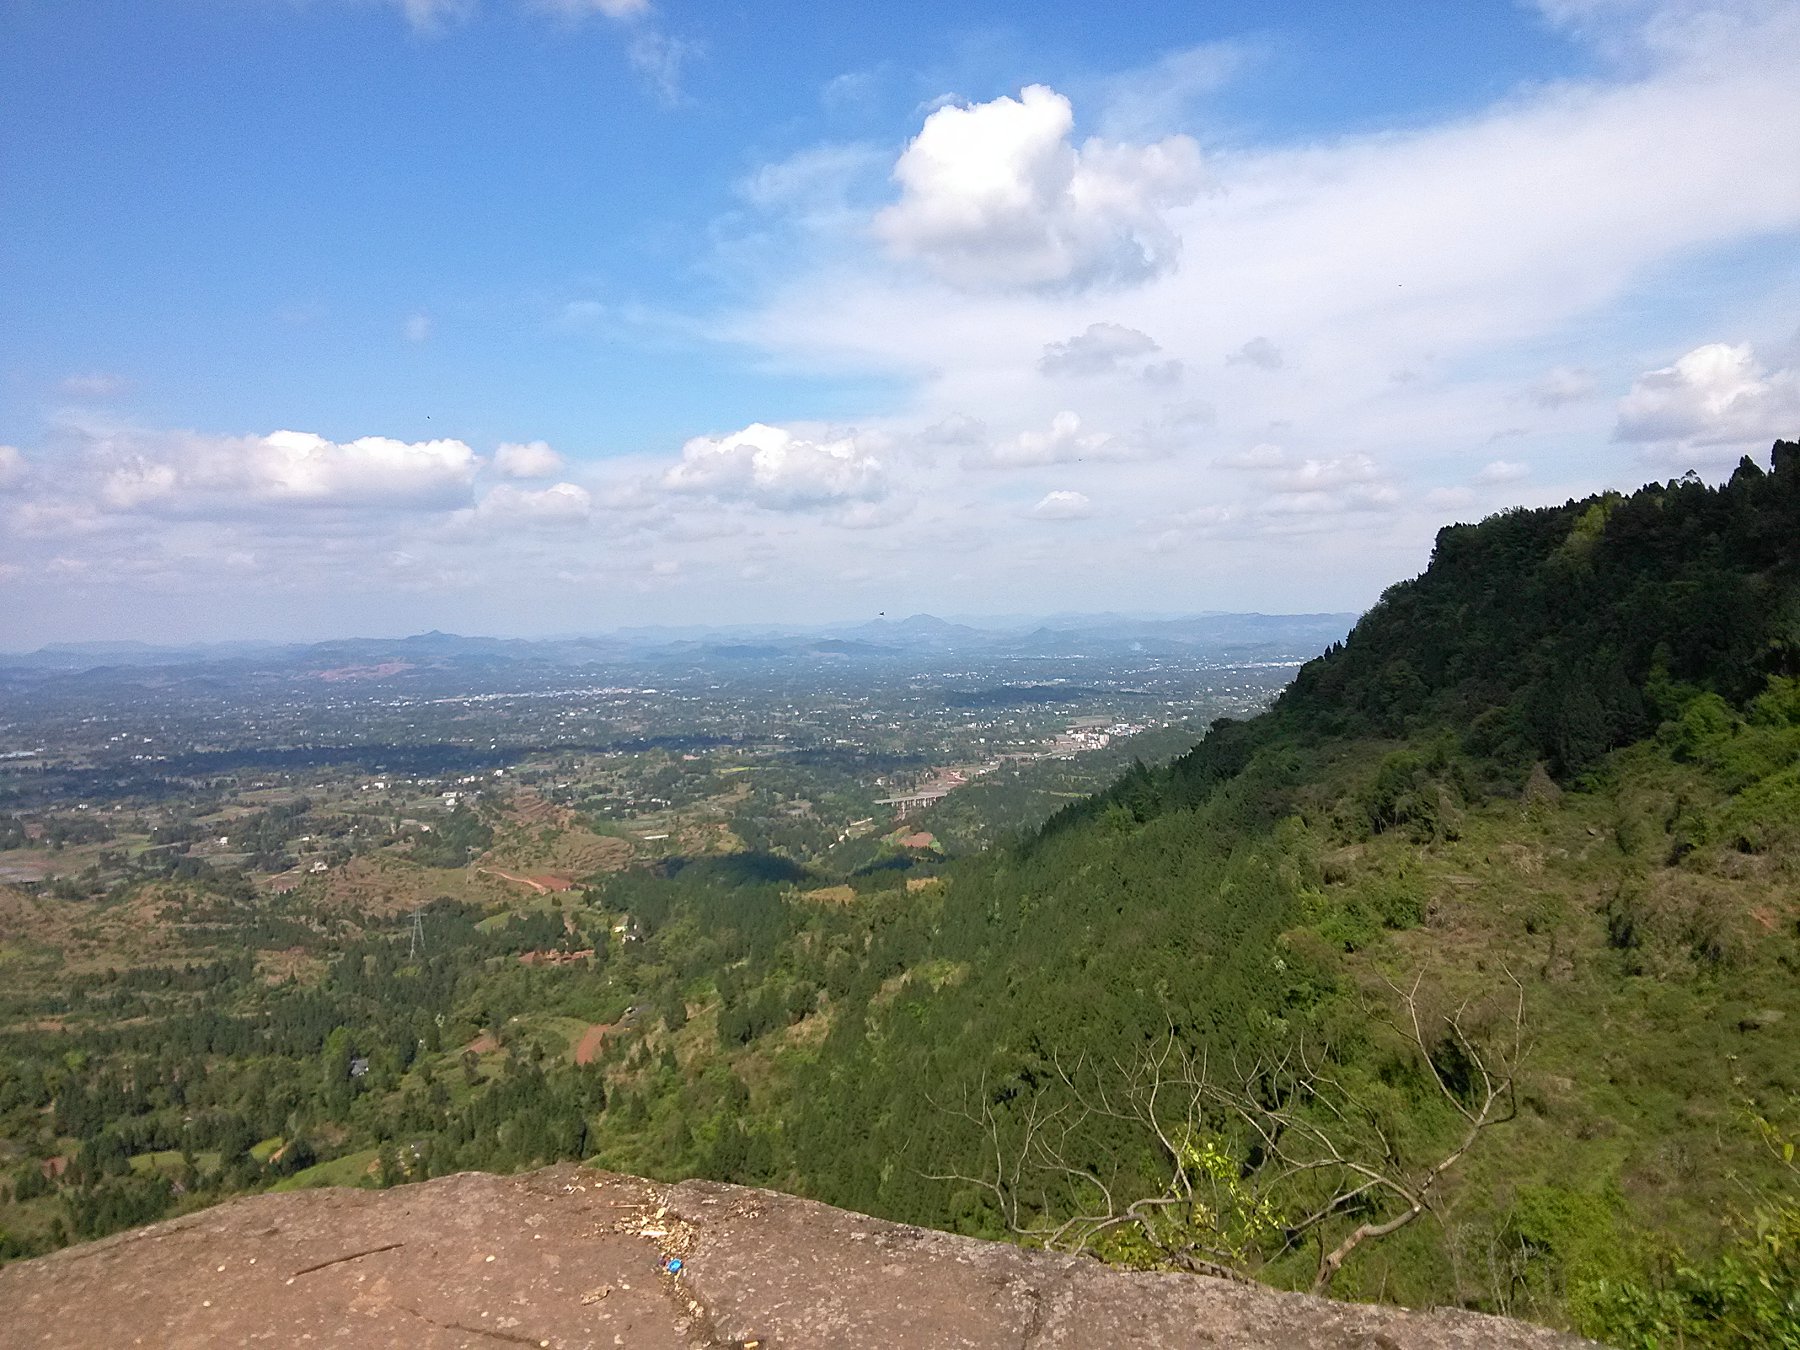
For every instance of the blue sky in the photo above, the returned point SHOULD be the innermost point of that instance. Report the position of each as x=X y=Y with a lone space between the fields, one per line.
x=332 y=316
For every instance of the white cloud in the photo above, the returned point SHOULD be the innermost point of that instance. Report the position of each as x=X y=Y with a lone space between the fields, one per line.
x=299 y=467
x=1502 y=471
x=1192 y=415
x=873 y=515
x=433 y=16
x=996 y=195
x=957 y=431
x=1140 y=102
x=1064 y=442
x=137 y=482
x=1324 y=475
x=40 y=517
x=1715 y=402
x=1259 y=352
x=417 y=328
x=611 y=9
x=559 y=504
x=1063 y=505
x=1099 y=350
x=1626 y=27
x=186 y=473
x=1449 y=498
x=659 y=57
x=96 y=386
x=530 y=459
x=772 y=467
x=1263 y=456
x=1345 y=497
x=1579 y=13
x=851 y=89
x=12 y=466
x=813 y=181
x=1564 y=384
x=1328 y=486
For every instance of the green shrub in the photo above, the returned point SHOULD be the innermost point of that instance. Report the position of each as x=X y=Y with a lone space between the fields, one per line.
x=1705 y=721
x=1746 y=1299
x=1765 y=815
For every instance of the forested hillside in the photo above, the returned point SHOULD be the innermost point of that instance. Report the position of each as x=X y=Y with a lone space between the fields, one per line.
x=1559 y=772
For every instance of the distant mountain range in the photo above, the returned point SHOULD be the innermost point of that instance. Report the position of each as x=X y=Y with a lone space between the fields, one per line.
x=1244 y=637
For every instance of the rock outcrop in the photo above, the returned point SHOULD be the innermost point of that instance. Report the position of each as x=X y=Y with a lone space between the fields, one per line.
x=568 y=1257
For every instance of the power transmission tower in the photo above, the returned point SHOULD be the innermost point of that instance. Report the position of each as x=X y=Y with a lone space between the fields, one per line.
x=418 y=934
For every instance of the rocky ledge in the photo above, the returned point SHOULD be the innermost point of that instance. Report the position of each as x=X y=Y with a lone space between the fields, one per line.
x=569 y=1258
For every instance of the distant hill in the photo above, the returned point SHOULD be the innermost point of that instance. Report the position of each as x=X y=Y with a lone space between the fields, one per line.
x=423 y=656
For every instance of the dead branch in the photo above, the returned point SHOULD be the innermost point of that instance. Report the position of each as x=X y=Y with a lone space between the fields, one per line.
x=1314 y=1144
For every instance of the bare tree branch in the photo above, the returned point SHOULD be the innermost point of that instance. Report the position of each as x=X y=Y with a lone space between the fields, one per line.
x=1304 y=1142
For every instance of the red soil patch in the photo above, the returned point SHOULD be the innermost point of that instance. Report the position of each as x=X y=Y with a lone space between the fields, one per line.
x=593 y=1040
x=920 y=840
x=483 y=1044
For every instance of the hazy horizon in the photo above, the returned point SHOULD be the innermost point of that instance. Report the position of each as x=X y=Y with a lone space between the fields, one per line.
x=979 y=622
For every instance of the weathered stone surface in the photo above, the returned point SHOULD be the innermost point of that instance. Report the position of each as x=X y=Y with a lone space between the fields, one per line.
x=571 y=1258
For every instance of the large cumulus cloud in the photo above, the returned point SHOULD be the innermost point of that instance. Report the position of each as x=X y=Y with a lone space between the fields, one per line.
x=192 y=473
x=997 y=195
x=529 y=459
x=775 y=468
x=1714 y=403
x=558 y=504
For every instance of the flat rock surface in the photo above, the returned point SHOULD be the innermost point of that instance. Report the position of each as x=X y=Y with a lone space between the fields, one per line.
x=569 y=1257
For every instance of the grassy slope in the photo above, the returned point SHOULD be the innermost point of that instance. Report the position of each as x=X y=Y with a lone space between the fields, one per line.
x=1646 y=1047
